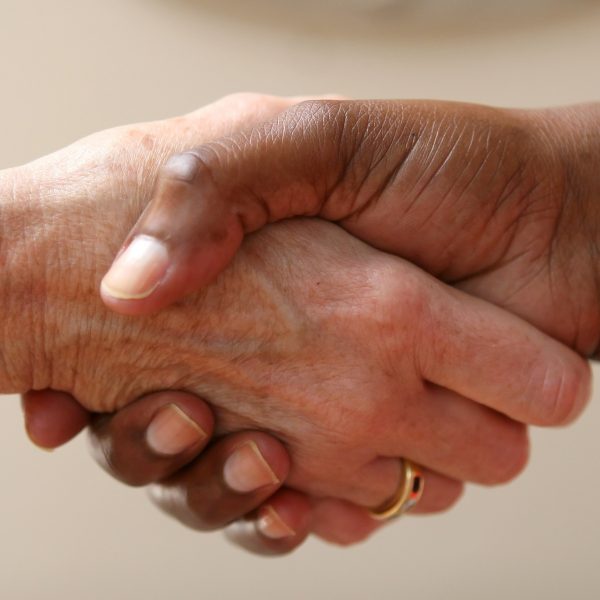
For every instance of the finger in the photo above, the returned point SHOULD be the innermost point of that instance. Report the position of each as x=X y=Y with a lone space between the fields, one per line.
x=440 y=494
x=201 y=497
x=52 y=418
x=364 y=164
x=344 y=523
x=458 y=437
x=283 y=523
x=492 y=356
x=147 y=275
x=207 y=199
x=441 y=431
x=377 y=481
x=152 y=437
x=230 y=479
x=278 y=527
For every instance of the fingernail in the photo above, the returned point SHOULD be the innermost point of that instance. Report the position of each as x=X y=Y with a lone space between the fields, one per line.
x=247 y=470
x=138 y=270
x=172 y=431
x=271 y=525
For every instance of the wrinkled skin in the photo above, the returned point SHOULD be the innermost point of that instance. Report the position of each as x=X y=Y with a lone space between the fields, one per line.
x=304 y=295
x=503 y=204
x=323 y=357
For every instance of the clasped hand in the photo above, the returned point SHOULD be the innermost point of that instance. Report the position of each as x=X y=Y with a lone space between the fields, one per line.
x=324 y=357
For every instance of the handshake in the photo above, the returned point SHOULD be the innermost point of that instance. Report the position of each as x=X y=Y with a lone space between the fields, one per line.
x=434 y=289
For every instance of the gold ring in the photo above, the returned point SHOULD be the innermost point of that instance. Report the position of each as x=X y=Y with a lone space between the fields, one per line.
x=409 y=493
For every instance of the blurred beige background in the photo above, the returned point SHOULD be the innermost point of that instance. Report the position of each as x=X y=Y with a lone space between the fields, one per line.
x=70 y=67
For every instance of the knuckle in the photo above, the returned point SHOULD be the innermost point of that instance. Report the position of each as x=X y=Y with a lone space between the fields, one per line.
x=123 y=158
x=239 y=111
x=182 y=167
x=248 y=100
x=393 y=296
x=125 y=146
x=393 y=313
x=250 y=108
x=401 y=310
x=325 y=112
x=321 y=125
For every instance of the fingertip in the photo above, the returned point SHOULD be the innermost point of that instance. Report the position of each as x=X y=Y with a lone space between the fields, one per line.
x=278 y=527
x=255 y=461
x=563 y=390
x=153 y=437
x=579 y=388
x=188 y=266
x=190 y=406
x=52 y=418
x=172 y=432
x=286 y=515
x=232 y=478
x=138 y=269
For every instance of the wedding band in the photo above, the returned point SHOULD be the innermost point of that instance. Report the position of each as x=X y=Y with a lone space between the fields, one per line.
x=408 y=494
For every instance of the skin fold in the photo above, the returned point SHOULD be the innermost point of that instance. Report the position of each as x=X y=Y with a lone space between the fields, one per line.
x=500 y=203
x=380 y=339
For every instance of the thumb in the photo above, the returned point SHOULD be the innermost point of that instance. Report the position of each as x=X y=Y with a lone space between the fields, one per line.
x=206 y=200
x=359 y=163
